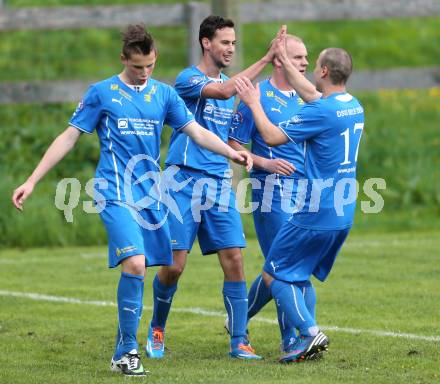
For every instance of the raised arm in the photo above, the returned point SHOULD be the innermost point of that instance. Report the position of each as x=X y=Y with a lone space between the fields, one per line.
x=270 y=133
x=211 y=141
x=59 y=148
x=299 y=82
x=227 y=89
x=279 y=166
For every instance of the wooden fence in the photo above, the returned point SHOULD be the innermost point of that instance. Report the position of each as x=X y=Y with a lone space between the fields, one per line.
x=191 y=14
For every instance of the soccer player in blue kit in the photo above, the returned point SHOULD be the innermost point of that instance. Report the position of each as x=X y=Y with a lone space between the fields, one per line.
x=208 y=203
x=307 y=244
x=128 y=112
x=276 y=170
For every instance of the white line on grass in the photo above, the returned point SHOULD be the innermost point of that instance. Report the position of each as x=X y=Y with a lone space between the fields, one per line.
x=96 y=255
x=40 y=259
x=204 y=312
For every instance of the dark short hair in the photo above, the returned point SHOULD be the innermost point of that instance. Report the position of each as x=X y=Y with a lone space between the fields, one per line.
x=136 y=39
x=210 y=25
x=339 y=63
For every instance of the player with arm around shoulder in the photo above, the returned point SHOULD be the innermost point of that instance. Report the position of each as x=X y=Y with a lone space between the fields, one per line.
x=309 y=242
x=128 y=112
x=277 y=171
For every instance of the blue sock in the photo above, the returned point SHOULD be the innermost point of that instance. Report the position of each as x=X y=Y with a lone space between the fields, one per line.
x=292 y=311
x=118 y=342
x=236 y=304
x=309 y=294
x=118 y=333
x=288 y=334
x=142 y=303
x=162 y=299
x=130 y=301
x=259 y=295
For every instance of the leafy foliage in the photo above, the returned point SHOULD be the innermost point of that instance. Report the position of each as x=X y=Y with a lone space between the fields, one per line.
x=94 y=54
x=374 y=44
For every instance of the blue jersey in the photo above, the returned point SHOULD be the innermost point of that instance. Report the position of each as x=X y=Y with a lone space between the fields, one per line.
x=330 y=129
x=129 y=125
x=212 y=114
x=278 y=108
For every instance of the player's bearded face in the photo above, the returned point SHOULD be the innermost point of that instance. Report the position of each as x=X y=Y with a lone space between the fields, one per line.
x=138 y=68
x=222 y=47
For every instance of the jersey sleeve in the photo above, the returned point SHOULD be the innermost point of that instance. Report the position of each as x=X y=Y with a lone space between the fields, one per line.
x=190 y=84
x=178 y=116
x=307 y=123
x=242 y=127
x=88 y=113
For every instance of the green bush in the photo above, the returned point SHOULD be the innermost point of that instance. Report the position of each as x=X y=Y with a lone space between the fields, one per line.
x=41 y=223
x=94 y=54
x=401 y=144
x=374 y=44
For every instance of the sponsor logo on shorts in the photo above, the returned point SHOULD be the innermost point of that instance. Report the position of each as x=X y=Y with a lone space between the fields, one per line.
x=120 y=251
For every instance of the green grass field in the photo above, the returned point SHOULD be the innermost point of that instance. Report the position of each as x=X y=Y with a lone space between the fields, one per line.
x=379 y=307
x=92 y=54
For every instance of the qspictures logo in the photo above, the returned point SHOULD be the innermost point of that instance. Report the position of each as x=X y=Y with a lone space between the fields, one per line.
x=156 y=189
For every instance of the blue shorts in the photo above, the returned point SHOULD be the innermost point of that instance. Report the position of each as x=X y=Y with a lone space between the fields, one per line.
x=131 y=232
x=274 y=209
x=298 y=253
x=207 y=208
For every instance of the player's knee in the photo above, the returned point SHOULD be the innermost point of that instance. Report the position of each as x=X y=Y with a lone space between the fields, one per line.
x=134 y=265
x=232 y=263
x=176 y=270
x=170 y=275
x=236 y=261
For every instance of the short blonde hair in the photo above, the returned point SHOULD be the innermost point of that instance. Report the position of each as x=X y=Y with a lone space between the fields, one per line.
x=289 y=37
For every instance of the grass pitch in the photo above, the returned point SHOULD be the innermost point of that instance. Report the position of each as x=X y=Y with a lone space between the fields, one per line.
x=379 y=308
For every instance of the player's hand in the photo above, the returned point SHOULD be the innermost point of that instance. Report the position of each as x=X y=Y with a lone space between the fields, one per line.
x=246 y=91
x=271 y=53
x=21 y=194
x=279 y=166
x=243 y=158
x=280 y=45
